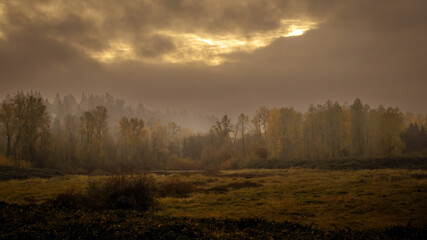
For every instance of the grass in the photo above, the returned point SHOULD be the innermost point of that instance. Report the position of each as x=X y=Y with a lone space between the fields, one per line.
x=342 y=164
x=356 y=199
x=45 y=222
x=39 y=190
x=12 y=172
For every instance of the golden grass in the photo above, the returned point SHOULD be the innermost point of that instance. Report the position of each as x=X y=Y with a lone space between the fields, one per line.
x=38 y=190
x=363 y=199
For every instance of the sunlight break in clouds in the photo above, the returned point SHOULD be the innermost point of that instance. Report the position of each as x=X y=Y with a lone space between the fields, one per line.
x=205 y=48
x=2 y=21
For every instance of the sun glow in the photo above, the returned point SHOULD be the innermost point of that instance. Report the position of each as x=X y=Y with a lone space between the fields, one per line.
x=2 y=21
x=296 y=31
x=117 y=51
x=210 y=49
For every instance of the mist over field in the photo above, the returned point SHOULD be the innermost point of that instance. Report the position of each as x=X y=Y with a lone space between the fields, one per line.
x=185 y=119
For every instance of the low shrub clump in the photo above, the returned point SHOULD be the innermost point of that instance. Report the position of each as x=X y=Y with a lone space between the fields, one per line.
x=211 y=172
x=116 y=192
x=248 y=175
x=219 y=189
x=175 y=189
x=70 y=199
x=234 y=186
x=245 y=184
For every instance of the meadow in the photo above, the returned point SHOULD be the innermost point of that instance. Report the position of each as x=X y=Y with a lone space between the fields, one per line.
x=327 y=199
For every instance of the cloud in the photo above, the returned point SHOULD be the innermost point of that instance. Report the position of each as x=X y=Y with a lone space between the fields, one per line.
x=136 y=50
x=143 y=30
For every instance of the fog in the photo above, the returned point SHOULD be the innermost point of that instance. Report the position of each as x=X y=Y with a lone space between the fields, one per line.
x=146 y=52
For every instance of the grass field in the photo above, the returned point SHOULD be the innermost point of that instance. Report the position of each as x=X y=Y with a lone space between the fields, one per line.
x=45 y=222
x=13 y=172
x=342 y=164
x=355 y=199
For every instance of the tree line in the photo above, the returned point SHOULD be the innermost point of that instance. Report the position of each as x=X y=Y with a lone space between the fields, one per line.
x=90 y=139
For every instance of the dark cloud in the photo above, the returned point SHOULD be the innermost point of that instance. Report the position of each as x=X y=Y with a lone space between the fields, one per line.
x=370 y=49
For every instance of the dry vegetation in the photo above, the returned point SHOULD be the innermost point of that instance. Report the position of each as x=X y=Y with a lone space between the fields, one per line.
x=362 y=199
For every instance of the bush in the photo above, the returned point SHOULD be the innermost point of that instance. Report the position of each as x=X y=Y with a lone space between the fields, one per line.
x=248 y=175
x=69 y=199
x=210 y=172
x=245 y=184
x=234 y=186
x=261 y=152
x=98 y=172
x=175 y=189
x=175 y=163
x=122 y=192
x=219 y=189
x=231 y=163
x=5 y=161
x=116 y=192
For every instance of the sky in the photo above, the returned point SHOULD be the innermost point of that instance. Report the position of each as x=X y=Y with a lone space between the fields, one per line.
x=218 y=56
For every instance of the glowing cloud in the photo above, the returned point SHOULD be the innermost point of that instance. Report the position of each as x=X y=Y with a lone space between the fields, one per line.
x=117 y=51
x=206 y=48
x=2 y=21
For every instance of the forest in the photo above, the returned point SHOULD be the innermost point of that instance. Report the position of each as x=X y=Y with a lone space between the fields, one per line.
x=100 y=132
